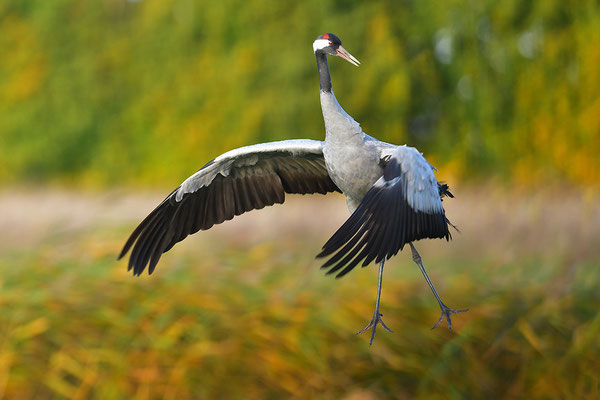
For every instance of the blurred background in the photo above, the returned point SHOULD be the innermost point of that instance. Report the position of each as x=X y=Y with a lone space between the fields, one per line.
x=107 y=105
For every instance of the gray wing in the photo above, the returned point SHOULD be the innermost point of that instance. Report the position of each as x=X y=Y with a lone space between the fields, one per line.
x=402 y=206
x=240 y=180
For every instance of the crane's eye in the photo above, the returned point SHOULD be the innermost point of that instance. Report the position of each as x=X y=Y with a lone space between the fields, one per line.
x=331 y=43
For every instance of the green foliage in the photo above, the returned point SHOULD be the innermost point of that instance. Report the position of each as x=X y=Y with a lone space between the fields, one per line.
x=146 y=91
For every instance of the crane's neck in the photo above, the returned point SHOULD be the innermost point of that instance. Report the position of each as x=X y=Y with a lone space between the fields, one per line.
x=339 y=126
x=324 y=76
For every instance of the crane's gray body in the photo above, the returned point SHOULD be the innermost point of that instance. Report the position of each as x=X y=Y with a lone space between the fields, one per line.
x=353 y=158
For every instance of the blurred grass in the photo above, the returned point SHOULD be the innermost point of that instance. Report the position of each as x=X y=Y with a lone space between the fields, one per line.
x=243 y=312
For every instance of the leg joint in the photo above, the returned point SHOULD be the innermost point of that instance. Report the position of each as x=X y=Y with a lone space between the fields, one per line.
x=416 y=256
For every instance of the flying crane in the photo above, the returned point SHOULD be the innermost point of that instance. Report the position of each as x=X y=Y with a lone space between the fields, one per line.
x=391 y=191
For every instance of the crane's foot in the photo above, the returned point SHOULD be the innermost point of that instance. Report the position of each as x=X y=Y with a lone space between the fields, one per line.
x=373 y=326
x=446 y=312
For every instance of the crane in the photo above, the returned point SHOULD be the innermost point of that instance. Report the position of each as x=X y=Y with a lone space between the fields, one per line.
x=391 y=191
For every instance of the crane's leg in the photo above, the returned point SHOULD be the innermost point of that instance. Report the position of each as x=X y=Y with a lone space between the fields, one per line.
x=377 y=315
x=446 y=311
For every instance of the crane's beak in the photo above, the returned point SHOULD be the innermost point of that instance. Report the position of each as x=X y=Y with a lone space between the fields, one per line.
x=342 y=52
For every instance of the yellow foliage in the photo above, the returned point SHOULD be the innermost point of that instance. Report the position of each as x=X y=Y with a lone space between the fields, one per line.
x=31 y=329
x=23 y=68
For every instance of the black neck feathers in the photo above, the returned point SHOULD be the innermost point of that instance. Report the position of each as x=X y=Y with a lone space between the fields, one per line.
x=324 y=76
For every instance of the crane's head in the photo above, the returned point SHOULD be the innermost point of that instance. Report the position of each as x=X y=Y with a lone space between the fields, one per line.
x=332 y=45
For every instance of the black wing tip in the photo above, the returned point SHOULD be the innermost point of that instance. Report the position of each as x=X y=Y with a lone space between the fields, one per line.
x=139 y=273
x=341 y=274
x=124 y=251
x=417 y=225
x=367 y=259
x=334 y=270
x=138 y=269
x=324 y=253
x=453 y=226
x=444 y=190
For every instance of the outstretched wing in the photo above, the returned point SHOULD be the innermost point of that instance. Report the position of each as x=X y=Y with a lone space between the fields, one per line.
x=244 y=179
x=404 y=205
